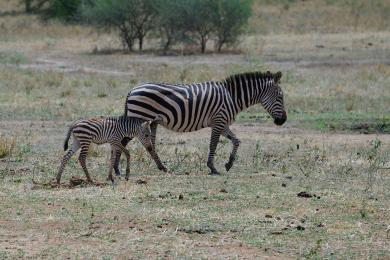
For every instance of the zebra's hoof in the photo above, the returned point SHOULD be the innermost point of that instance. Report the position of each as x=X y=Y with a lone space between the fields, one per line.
x=163 y=169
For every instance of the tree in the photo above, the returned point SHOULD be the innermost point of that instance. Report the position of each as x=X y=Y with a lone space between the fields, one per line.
x=230 y=20
x=132 y=18
x=66 y=10
x=199 y=16
x=31 y=6
x=171 y=21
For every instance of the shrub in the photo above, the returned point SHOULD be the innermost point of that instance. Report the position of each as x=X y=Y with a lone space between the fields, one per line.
x=31 y=6
x=132 y=18
x=171 y=19
x=65 y=10
x=199 y=20
x=229 y=23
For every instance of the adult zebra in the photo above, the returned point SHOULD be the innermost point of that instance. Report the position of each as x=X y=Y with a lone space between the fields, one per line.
x=215 y=104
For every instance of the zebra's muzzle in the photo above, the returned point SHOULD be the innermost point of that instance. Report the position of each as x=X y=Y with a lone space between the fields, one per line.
x=280 y=120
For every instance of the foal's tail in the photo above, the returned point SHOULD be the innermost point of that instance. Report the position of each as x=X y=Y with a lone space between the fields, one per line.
x=67 y=138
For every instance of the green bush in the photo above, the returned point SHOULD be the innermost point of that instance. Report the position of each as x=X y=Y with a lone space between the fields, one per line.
x=229 y=23
x=201 y=20
x=65 y=10
x=171 y=19
x=132 y=18
x=174 y=21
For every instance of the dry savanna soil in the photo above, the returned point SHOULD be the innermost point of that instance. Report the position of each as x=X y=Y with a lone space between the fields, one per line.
x=317 y=187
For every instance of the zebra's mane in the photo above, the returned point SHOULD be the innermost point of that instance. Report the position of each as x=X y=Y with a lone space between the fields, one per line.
x=252 y=76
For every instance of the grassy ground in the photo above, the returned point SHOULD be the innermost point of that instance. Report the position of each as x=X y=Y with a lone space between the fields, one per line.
x=333 y=151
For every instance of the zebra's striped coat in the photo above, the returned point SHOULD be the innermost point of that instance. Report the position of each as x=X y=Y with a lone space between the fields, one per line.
x=215 y=104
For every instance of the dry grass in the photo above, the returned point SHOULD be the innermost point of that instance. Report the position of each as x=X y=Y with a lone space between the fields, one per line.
x=6 y=146
x=252 y=211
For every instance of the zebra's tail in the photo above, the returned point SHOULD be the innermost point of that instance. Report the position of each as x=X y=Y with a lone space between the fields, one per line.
x=67 y=138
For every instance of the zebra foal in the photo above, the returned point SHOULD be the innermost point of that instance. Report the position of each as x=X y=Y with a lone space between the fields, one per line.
x=215 y=104
x=109 y=130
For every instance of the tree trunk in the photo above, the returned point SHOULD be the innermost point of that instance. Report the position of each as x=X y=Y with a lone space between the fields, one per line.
x=203 y=42
x=140 y=41
x=27 y=4
x=167 y=45
x=219 y=45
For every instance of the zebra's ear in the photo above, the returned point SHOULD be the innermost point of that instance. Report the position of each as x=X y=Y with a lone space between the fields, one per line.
x=277 y=76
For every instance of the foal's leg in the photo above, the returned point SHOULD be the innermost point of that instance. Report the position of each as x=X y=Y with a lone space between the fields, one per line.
x=65 y=159
x=118 y=153
x=119 y=146
x=232 y=137
x=114 y=156
x=153 y=133
x=83 y=157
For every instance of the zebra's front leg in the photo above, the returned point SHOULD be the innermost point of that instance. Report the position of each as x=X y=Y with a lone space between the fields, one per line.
x=156 y=159
x=236 y=143
x=215 y=134
x=118 y=153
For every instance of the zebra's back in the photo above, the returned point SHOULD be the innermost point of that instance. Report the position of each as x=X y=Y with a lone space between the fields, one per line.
x=184 y=108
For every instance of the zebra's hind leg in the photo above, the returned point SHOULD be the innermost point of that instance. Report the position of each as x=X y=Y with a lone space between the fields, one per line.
x=236 y=143
x=65 y=159
x=118 y=153
x=215 y=134
x=82 y=159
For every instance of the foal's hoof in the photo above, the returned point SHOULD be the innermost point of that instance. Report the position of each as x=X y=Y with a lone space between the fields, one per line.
x=214 y=172
x=228 y=166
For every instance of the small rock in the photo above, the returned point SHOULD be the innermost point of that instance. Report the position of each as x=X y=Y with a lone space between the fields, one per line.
x=223 y=191
x=141 y=181
x=181 y=197
x=284 y=185
x=304 y=194
x=300 y=228
x=268 y=216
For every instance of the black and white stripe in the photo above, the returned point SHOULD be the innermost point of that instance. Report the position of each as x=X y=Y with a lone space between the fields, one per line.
x=215 y=104
x=112 y=130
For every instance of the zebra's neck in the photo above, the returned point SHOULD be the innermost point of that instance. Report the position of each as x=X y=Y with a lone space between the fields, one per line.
x=245 y=91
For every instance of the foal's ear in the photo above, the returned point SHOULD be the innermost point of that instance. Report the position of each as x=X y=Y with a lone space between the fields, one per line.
x=146 y=124
x=157 y=120
x=277 y=76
